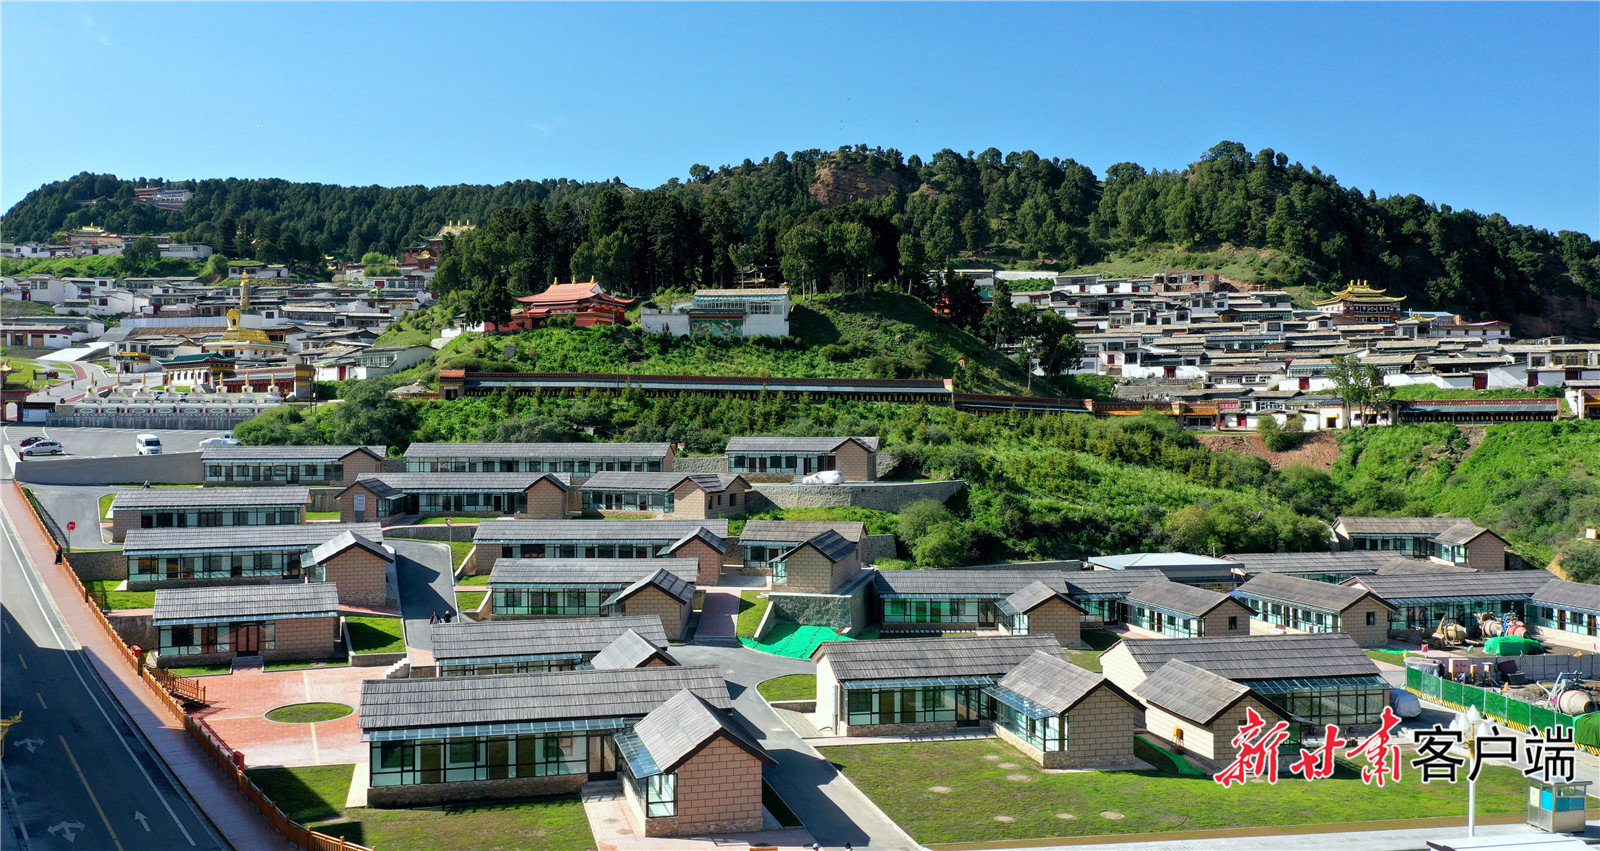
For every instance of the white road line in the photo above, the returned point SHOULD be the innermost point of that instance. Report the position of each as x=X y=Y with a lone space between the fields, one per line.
x=75 y=660
x=6 y=780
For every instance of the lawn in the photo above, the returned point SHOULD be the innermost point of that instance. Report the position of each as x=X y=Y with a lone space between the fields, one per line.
x=322 y=515
x=752 y=607
x=1099 y=641
x=315 y=795
x=376 y=634
x=475 y=579
x=900 y=779
x=440 y=521
x=201 y=671
x=469 y=601
x=791 y=687
x=308 y=713
x=459 y=550
x=121 y=599
x=105 y=504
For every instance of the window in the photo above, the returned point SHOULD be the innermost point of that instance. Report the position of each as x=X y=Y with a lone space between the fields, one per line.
x=1372 y=618
x=661 y=796
x=1233 y=622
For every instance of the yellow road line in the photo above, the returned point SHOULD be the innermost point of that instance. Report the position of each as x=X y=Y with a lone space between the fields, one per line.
x=92 y=797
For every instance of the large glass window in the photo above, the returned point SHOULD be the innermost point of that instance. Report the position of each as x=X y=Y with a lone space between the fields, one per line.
x=477 y=758
x=900 y=706
x=1046 y=734
x=952 y=610
x=550 y=601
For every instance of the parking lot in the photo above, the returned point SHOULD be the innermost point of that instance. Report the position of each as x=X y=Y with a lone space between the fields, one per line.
x=101 y=442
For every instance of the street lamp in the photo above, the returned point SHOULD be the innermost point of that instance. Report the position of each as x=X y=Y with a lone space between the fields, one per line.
x=1470 y=736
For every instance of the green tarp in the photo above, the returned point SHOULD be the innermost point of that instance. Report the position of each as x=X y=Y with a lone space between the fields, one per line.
x=793 y=641
x=1511 y=645
x=1587 y=729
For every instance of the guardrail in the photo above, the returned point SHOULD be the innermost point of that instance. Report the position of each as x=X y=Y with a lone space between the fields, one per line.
x=219 y=752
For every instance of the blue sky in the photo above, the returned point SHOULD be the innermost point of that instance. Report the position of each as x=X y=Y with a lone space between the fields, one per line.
x=1492 y=107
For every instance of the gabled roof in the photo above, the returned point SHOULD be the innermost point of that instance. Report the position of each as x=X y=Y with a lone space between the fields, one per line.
x=630 y=650
x=781 y=445
x=538 y=450
x=1464 y=533
x=387 y=484
x=997 y=583
x=145 y=498
x=664 y=531
x=796 y=531
x=1256 y=657
x=307 y=535
x=622 y=480
x=1402 y=564
x=1304 y=592
x=1398 y=525
x=464 y=639
x=1162 y=561
x=1349 y=561
x=1401 y=587
x=1569 y=595
x=830 y=544
x=1177 y=598
x=717 y=542
x=429 y=703
x=344 y=541
x=1190 y=692
x=245 y=602
x=1054 y=683
x=597 y=572
x=672 y=584
x=680 y=726
x=898 y=658
x=1033 y=595
x=1106 y=583
x=287 y=453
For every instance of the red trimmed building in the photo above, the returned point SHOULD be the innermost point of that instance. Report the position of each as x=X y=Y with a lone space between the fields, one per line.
x=587 y=304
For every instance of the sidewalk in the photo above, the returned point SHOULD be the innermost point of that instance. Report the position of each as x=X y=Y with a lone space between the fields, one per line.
x=239 y=822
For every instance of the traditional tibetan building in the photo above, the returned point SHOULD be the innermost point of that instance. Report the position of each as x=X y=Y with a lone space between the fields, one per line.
x=587 y=304
x=1359 y=301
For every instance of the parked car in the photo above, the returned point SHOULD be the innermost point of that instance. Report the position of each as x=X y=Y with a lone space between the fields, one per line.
x=147 y=444
x=44 y=447
x=226 y=439
x=29 y=441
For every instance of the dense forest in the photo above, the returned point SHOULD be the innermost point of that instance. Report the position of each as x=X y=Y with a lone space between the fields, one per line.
x=843 y=220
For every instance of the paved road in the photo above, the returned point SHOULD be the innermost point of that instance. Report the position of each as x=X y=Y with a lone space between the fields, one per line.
x=77 y=773
x=427 y=586
x=102 y=442
x=85 y=377
x=79 y=504
x=833 y=809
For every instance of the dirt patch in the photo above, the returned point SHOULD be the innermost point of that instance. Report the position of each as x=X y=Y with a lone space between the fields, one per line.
x=837 y=185
x=1319 y=449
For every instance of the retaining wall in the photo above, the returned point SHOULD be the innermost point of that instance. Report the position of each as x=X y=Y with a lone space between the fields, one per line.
x=882 y=496
x=708 y=464
x=178 y=468
x=876 y=548
x=135 y=630
x=92 y=565
x=199 y=422
x=433 y=532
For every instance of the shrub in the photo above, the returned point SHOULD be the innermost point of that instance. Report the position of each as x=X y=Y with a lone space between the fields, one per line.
x=919 y=518
x=946 y=544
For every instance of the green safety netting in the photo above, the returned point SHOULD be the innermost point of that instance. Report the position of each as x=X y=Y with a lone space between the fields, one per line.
x=1511 y=645
x=793 y=640
x=1587 y=729
x=1170 y=761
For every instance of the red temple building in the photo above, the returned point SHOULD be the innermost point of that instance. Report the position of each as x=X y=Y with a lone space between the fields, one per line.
x=587 y=304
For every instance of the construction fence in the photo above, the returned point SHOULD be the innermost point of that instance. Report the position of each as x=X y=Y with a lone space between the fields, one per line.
x=222 y=755
x=1491 y=703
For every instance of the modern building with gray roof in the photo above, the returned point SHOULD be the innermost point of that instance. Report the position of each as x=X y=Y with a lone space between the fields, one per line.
x=290 y=465
x=1292 y=604
x=537 y=587
x=1171 y=608
x=232 y=553
x=1332 y=567
x=1187 y=568
x=688 y=768
x=855 y=458
x=946 y=600
x=386 y=497
x=1449 y=540
x=706 y=540
x=579 y=459
x=1315 y=679
x=183 y=508
x=765 y=540
x=1190 y=692
x=1422 y=600
x=527 y=646
x=631 y=650
x=281 y=622
x=678 y=494
x=1566 y=613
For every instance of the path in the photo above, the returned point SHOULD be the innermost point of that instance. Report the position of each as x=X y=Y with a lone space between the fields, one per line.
x=719 y=616
x=833 y=809
x=79 y=504
x=427 y=587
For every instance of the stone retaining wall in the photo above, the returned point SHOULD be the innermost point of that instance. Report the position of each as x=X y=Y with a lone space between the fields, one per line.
x=135 y=630
x=375 y=660
x=95 y=565
x=876 y=548
x=708 y=464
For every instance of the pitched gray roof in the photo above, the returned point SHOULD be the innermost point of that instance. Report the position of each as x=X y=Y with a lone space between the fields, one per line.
x=717 y=542
x=1189 y=692
x=610 y=572
x=1462 y=533
x=1053 y=682
x=1402 y=564
x=1103 y=583
x=782 y=445
x=628 y=650
x=407 y=482
x=1420 y=586
x=344 y=541
x=465 y=639
x=144 y=498
x=1398 y=525
x=674 y=585
x=1350 y=561
x=1168 y=596
x=621 y=480
x=285 y=453
x=503 y=698
x=1569 y=595
x=1256 y=657
x=664 y=531
x=1161 y=561
x=1035 y=594
x=1302 y=592
x=894 y=658
x=831 y=544
x=177 y=605
x=538 y=450
x=979 y=583
x=679 y=726
x=308 y=535
x=795 y=531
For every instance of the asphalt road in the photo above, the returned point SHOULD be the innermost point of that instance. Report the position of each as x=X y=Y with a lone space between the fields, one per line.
x=101 y=442
x=79 y=504
x=427 y=587
x=77 y=773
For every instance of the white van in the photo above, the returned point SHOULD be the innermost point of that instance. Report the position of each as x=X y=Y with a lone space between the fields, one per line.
x=148 y=444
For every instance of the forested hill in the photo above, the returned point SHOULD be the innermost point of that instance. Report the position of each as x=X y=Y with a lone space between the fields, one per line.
x=839 y=218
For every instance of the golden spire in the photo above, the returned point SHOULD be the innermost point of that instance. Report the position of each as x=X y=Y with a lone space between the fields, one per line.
x=244 y=290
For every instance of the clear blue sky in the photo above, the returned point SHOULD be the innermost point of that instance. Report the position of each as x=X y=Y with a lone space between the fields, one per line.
x=1492 y=107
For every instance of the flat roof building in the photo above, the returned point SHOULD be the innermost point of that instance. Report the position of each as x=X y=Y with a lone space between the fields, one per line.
x=290 y=465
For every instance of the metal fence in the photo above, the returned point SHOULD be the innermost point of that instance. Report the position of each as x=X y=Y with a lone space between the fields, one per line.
x=195 y=422
x=1493 y=704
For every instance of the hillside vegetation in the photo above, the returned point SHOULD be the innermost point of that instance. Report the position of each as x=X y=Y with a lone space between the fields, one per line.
x=1534 y=483
x=98 y=266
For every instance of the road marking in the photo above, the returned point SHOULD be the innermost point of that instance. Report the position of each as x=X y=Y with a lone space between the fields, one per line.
x=93 y=798
x=142 y=819
x=41 y=700
x=5 y=782
x=23 y=661
x=30 y=744
x=75 y=662
x=69 y=830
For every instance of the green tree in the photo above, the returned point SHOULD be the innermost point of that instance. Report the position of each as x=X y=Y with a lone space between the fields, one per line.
x=920 y=517
x=945 y=545
x=141 y=253
x=1360 y=385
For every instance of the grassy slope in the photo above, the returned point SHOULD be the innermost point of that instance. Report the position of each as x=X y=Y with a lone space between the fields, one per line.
x=97 y=266
x=16 y=307
x=791 y=687
x=376 y=634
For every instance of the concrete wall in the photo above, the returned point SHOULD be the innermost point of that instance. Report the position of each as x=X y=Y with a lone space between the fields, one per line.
x=98 y=565
x=883 y=496
x=135 y=630
x=178 y=468
x=1100 y=730
x=474 y=790
x=1118 y=666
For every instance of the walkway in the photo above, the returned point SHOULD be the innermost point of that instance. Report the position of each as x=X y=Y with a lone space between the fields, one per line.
x=427 y=587
x=240 y=702
x=1400 y=839
x=834 y=810
x=606 y=809
x=719 y=616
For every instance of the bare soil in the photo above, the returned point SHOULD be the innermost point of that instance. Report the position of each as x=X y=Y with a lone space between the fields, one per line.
x=1319 y=448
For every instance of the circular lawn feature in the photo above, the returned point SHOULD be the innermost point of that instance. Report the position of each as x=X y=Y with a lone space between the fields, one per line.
x=308 y=713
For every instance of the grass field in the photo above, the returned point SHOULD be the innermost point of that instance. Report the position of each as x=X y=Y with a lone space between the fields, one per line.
x=121 y=599
x=1099 y=641
x=322 y=515
x=105 y=504
x=376 y=634
x=201 y=670
x=752 y=607
x=475 y=579
x=459 y=550
x=308 y=713
x=791 y=687
x=900 y=779
x=469 y=601
x=315 y=795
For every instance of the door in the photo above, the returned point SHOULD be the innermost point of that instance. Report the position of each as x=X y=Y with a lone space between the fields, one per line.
x=247 y=639
x=1480 y=381
x=602 y=758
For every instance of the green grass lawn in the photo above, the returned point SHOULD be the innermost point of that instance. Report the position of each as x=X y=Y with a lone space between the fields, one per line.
x=336 y=662
x=752 y=607
x=440 y=521
x=105 y=504
x=476 y=579
x=899 y=779
x=376 y=634
x=315 y=795
x=121 y=599
x=308 y=713
x=459 y=550
x=791 y=687
x=469 y=601
x=200 y=670
x=1099 y=641
x=322 y=515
